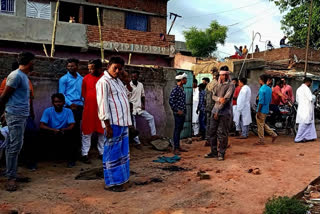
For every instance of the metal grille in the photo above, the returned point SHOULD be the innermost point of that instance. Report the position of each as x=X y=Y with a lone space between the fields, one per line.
x=41 y=10
x=7 y=6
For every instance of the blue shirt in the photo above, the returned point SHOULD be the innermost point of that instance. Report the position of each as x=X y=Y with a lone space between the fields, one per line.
x=70 y=87
x=57 y=120
x=265 y=95
x=177 y=100
x=18 y=103
x=202 y=101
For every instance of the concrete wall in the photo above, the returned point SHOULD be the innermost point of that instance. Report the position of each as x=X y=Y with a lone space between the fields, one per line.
x=158 y=85
x=14 y=28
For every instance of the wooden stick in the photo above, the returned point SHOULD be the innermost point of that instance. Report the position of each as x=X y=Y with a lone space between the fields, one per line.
x=45 y=50
x=100 y=35
x=54 y=29
x=308 y=39
x=129 y=61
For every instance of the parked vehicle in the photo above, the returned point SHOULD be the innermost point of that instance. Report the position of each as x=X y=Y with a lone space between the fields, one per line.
x=283 y=123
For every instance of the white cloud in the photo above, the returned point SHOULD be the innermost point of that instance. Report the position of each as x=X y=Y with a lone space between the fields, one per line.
x=254 y=15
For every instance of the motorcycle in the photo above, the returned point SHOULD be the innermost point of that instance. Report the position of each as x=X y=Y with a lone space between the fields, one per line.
x=279 y=123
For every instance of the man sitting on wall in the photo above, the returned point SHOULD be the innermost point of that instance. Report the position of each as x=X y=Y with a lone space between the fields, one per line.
x=56 y=126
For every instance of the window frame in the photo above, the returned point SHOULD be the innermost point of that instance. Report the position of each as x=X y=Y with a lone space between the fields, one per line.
x=9 y=13
x=50 y=17
x=147 y=20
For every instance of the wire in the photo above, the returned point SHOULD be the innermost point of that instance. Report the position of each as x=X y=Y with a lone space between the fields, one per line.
x=225 y=11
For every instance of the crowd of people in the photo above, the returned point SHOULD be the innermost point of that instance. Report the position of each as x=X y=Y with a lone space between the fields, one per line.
x=106 y=104
x=228 y=107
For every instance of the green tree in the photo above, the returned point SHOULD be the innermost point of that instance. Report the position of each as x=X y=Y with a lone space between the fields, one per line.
x=204 y=43
x=296 y=19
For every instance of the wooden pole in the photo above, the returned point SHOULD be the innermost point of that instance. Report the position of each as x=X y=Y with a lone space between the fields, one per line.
x=45 y=50
x=129 y=61
x=100 y=35
x=54 y=28
x=308 y=39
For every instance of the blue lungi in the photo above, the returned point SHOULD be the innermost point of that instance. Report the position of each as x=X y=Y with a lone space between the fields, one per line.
x=116 y=157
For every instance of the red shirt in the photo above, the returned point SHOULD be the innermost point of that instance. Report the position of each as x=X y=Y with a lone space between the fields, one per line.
x=90 y=120
x=235 y=95
x=276 y=99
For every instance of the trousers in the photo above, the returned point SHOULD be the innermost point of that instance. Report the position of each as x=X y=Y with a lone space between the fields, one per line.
x=262 y=126
x=16 y=125
x=150 y=119
x=178 y=127
x=86 y=143
x=219 y=130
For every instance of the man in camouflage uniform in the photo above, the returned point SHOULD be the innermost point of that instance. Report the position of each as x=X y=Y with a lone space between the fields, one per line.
x=209 y=100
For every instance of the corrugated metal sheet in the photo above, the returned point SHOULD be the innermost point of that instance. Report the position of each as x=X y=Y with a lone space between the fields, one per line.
x=39 y=10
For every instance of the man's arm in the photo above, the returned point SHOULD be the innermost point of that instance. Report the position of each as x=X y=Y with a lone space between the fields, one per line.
x=69 y=128
x=44 y=126
x=8 y=91
x=227 y=97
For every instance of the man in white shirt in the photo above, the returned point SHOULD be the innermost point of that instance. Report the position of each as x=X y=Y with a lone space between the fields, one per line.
x=305 y=113
x=137 y=98
x=114 y=113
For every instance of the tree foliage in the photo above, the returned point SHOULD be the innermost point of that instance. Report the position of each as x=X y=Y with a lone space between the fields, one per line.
x=295 y=21
x=203 y=42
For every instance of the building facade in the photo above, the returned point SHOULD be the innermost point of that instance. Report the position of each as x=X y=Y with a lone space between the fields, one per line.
x=136 y=26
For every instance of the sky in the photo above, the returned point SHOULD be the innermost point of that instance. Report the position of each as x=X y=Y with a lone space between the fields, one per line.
x=241 y=16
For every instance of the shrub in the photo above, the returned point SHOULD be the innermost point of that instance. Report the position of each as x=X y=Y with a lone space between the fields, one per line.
x=285 y=205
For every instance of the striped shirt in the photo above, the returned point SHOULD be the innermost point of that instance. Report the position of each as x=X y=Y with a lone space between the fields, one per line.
x=113 y=104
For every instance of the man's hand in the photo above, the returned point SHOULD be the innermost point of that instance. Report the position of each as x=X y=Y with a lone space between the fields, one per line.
x=216 y=117
x=143 y=107
x=73 y=106
x=109 y=131
x=56 y=131
x=222 y=100
x=180 y=112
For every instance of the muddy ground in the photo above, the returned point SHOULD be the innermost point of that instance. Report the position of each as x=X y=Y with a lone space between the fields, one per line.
x=286 y=168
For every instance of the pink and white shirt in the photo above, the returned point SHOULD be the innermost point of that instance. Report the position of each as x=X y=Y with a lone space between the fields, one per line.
x=113 y=104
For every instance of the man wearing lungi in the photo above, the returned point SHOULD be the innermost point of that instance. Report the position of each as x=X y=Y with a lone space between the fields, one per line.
x=114 y=112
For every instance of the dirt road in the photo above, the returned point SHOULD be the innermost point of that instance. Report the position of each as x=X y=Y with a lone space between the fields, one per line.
x=286 y=168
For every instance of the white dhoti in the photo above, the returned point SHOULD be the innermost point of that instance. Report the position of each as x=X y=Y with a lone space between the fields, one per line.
x=306 y=132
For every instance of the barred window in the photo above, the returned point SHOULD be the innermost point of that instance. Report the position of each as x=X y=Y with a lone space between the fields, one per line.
x=7 y=6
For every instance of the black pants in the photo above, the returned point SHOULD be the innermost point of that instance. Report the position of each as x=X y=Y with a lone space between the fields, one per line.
x=219 y=131
x=178 y=127
x=77 y=114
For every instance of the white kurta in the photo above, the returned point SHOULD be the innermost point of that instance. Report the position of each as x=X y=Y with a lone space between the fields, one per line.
x=195 y=116
x=305 y=100
x=243 y=105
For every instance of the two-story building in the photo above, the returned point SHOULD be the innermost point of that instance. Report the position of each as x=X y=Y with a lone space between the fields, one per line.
x=128 y=26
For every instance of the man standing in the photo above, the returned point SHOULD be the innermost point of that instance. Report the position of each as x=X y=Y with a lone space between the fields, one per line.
x=201 y=110
x=244 y=51
x=138 y=100
x=114 y=113
x=287 y=90
x=265 y=94
x=195 y=102
x=235 y=113
x=177 y=103
x=305 y=113
x=90 y=119
x=210 y=101
x=70 y=86
x=243 y=108
x=221 y=115
x=15 y=101
x=277 y=96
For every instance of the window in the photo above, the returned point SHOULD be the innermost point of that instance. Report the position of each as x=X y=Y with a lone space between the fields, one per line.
x=67 y=10
x=40 y=10
x=136 y=21
x=7 y=6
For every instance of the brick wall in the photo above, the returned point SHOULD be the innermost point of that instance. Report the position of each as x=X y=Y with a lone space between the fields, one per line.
x=152 y=6
x=158 y=24
x=128 y=36
x=287 y=53
x=114 y=19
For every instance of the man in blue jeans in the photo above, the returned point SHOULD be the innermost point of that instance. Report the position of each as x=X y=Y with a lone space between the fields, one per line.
x=177 y=103
x=15 y=102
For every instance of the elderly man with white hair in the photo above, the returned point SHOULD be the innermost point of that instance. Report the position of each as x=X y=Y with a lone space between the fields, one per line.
x=177 y=103
x=221 y=115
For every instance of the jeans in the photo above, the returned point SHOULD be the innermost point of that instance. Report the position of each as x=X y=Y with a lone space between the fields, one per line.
x=219 y=130
x=202 y=122
x=16 y=125
x=178 y=127
x=208 y=115
x=244 y=129
x=150 y=119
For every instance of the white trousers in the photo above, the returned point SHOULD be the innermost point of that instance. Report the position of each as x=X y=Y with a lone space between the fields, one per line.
x=86 y=143
x=150 y=119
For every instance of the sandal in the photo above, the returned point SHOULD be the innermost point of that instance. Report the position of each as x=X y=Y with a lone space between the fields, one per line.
x=11 y=186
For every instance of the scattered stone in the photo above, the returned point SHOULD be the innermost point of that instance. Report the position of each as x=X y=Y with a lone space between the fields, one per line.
x=218 y=171
x=200 y=172
x=255 y=171
x=204 y=176
x=174 y=168
x=160 y=144
x=189 y=141
x=301 y=154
